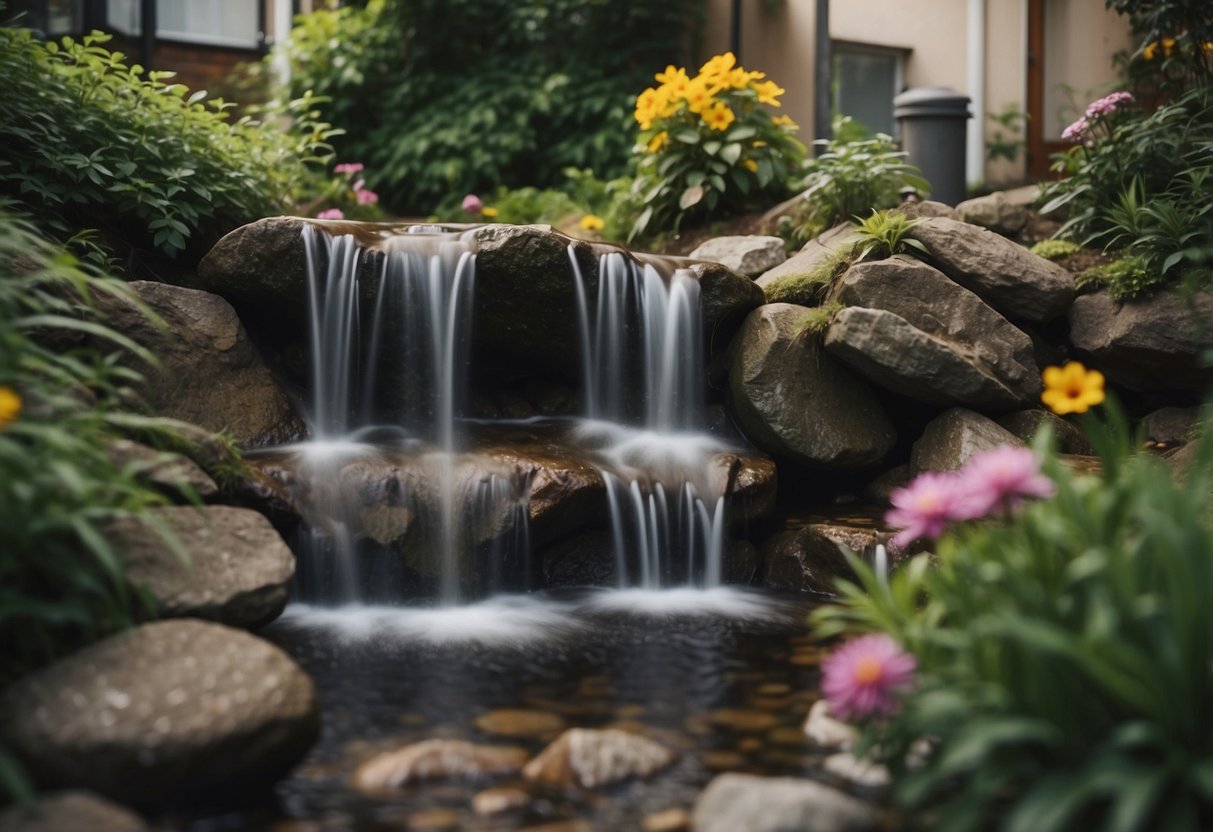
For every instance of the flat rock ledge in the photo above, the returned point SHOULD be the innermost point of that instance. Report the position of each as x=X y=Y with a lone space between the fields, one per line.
x=168 y=714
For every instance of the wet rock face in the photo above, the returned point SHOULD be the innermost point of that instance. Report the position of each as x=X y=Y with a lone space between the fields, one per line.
x=953 y=437
x=778 y=804
x=591 y=758
x=168 y=713
x=911 y=329
x=175 y=475
x=236 y=570
x=795 y=401
x=750 y=255
x=1149 y=344
x=209 y=373
x=812 y=558
x=1005 y=275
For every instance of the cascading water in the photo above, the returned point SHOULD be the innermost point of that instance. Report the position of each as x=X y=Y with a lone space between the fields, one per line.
x=659 y=492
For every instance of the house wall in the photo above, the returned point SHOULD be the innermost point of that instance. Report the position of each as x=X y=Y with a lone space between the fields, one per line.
x=1082 y=38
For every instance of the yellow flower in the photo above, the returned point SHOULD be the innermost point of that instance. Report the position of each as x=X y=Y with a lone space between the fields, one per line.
x=768 y=92
x=750 y=165
x=659 y=141
x=699 y=96
x=674 y=79
x=718 y=66
x=10 y=406
x=1072 y=388
x=1151 y=49
x=785 y=121
x=719 y=117
x=591 y=222
x=488 y=212
x=649 y=105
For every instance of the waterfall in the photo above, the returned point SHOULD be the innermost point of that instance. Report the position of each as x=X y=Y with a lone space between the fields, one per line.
x=647 y=325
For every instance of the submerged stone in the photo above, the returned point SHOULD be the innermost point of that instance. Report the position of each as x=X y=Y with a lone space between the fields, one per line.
x=437 y=759
x=590 y=758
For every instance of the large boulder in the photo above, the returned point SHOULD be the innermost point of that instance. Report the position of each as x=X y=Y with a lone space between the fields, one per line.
x=169 y=713
x=1005 y=275
x=1147 y=344
x=799 y=278
x=812 y=558
x=209 y=373
x=911 y=329
x=778 y=804
x=750 y=255
x=953 y=437
x=231 y=566
x=1004 y=212
x=794 y=401
x=178 y=476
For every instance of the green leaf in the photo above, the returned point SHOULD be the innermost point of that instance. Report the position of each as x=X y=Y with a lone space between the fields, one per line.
x=687 y=136
x=691 y=197
x=731 y=153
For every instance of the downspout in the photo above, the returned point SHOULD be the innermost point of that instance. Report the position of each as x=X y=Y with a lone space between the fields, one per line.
x=735 y=31
x=822 y=69
x=147 y=32
x=975 y=148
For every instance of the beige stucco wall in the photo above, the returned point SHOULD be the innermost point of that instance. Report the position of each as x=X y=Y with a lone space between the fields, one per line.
x=1083 y=37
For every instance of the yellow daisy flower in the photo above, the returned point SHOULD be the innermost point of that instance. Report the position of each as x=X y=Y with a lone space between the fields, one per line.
x=699 y=96
x=718 y=66
x=488 y=212
x=1072 y=388
x=718 y=117
x=10 y=406
x=659 y=141
x=768 y=92
x=591 y=222
x=785 y=121
x=750 y=165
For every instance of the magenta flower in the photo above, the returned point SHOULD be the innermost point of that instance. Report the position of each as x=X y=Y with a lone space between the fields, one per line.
x=1074 y=133
x=926 y=506
x=1000 y=479
x=864 y=677
x=472 y=204
x=331 y=214
x=366 y=197
x=1107 y=105
x=348 y=167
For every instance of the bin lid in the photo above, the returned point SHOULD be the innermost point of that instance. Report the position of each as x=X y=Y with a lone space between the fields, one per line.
x=931 y=101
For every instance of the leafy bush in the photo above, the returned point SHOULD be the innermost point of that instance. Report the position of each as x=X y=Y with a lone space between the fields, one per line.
x=1174 y=52
x=1124 y=279
x=1065 y=655
x=89 y=141
x=708 y=146
x=1137 y=183
x=442 y=97
x=61 y=583
x=884 y=234
x=345 y=196
x=850 y=179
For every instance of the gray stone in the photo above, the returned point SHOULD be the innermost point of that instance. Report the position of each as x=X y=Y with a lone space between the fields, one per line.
x=1172 y=425
x=590 y=758
x=997 y=211
x=953 y=437
x=864 y=773
x=732 y=802
x=1005 y=275
x=921 y=209
x=794 y=401
x=233 y=566
x=168 y=713
x=811 y=558
x=1025 y=424
x=750 y=255
x=71 y=812
x=824 y=731
x=435 y=760
x=911 y=329
x=793 y=280
x=171 y=473
x=209 y=373
x=1147 y=344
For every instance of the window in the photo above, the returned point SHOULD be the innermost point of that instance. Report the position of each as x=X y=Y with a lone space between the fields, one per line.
x=865 y=79
x=218 y=22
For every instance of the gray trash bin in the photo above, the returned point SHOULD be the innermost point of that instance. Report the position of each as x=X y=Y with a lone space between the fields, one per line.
x=933 y=137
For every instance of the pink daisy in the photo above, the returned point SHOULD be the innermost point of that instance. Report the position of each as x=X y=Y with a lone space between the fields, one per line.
x=863 y=677
x=331 y=214
x=1001 y=478
x=926 y=506
x=348 y=167
x=366 y=197
x=472 y=204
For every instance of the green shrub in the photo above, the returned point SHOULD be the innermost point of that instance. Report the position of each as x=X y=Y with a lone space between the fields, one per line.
x=884 y=234
x=851 y=179
x=1137 y=185
x=708 y=145
x=1065 y=656
x=61 y=583
x=1124 y=279
x=86 y=140
x=442 y=97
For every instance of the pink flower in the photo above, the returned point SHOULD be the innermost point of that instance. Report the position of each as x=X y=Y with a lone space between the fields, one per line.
x=1107 y=105
x=1074 y=133
x=366 y=197
x=1001 y=478
x=863 y=677
x=472 y=204
x=331 y=214
x=926 y=506
x=348 y=167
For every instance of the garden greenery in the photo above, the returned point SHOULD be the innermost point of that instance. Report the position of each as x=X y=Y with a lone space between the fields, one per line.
x=849 y=180
x=441 y=97
x=709 y=145
x=88 y=140
x=1064 y=655
x=61 y=583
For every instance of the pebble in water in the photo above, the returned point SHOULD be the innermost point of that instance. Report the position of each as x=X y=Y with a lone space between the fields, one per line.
x=500 y=800
x=671 y=820
x=518 y=723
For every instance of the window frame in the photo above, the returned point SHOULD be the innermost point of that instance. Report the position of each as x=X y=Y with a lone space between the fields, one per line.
x=899 y=54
